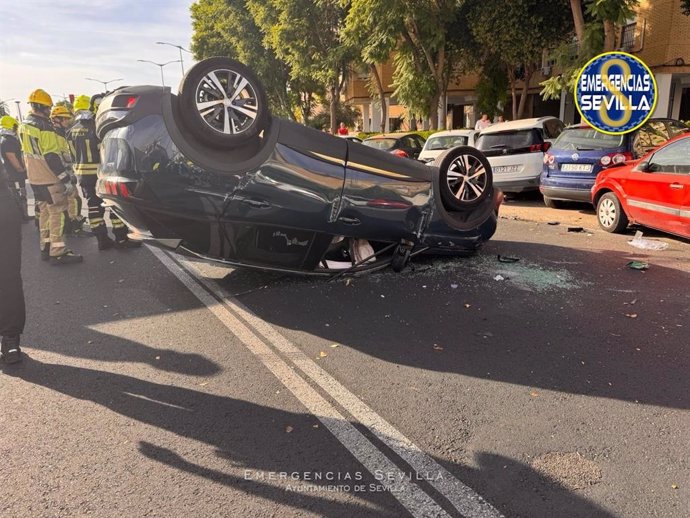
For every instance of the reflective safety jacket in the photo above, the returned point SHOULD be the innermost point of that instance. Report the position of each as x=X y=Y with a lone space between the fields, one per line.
x=84 y=144
x=42 y=153
x=65 y=149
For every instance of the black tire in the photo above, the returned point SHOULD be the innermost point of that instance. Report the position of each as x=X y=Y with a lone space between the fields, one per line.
x=235 y=109
x=553 y=204
x=610 y=214
x=465 y=178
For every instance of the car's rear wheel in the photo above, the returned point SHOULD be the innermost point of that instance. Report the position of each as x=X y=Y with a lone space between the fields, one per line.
x=223 y=102
x=465 y=178
x=610 y=214
x=552 y=204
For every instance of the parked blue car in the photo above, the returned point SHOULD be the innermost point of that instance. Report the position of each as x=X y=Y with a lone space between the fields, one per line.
x=580 y=153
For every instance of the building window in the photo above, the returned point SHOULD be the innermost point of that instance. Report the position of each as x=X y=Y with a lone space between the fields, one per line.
x=628 y=35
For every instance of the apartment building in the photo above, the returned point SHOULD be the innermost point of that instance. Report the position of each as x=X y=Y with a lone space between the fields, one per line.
x=657 y=34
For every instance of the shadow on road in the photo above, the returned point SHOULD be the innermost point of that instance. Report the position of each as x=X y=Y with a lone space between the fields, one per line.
x=568 y=320
x=252 y=437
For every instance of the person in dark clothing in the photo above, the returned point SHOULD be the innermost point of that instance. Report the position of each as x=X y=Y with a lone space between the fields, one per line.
x=12 y=309
x=11 y=157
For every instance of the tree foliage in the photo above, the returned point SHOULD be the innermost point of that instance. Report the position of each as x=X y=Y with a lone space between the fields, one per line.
x=419 y=33
x=597 y=23
x=516 y=33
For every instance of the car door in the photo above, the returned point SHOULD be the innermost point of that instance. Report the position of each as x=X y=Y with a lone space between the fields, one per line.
x=657 y=195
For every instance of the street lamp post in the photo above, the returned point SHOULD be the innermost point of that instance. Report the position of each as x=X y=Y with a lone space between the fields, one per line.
x=105 y=83
x=178 y=47
x=161 y=65
x=19 y=111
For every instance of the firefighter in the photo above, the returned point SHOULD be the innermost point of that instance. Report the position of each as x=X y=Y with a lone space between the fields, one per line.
x=84 y=144
x=11 y=158
x=62 y=118
x=12 y=310
x=48 y=176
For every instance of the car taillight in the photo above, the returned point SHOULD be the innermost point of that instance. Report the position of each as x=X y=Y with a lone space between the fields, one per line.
x=131 y=101
x=400 y=152
x=614 y=159
x=549 y=159
x=541 y=148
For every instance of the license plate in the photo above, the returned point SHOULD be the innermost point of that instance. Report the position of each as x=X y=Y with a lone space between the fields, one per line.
x=506 y=169
x=576 y=168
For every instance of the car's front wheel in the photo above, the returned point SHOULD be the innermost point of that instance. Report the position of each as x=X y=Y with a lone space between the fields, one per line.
x=223 y=102
x=465 y=178
x=610 y=213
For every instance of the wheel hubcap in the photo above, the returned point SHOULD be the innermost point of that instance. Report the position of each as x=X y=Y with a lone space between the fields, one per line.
x=607 y=213
x=466 y=178
x=227 y=102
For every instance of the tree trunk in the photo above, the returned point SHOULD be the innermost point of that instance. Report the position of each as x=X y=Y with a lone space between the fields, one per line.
x=442 y=110
x=334 y=109
x=413 y=122
x=433 y=111
x=578 y=19
x=382 y=95
x=609 y=35
x=524 y=94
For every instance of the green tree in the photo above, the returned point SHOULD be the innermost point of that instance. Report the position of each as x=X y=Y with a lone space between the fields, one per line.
x=418 y=33
x=492 y=87
x=306 y=34
x=516 y=33
x=227 y=28
x=596 y=24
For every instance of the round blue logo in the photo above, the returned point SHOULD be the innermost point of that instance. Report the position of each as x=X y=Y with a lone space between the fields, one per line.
x=615 y=93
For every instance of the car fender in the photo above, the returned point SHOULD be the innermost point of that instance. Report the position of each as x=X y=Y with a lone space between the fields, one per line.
x=608 y=184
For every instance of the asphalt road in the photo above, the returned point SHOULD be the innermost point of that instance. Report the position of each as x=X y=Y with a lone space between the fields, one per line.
x=556 y=385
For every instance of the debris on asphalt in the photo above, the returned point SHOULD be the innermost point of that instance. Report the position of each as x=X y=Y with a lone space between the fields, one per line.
x=576 y=229
x=553 y=222
x=454 y=286
x=348 y=281
x=631 y=303
x=438 y=347
x=674 y=486
x=288 y=429
x=647 y=244
x=499 y=277
x=631 y=315
x=534 y=393
x=638 y=265
x=507 y=259
x=468 y=305
x=323 y=354
x=158 y=357
x=333 y=346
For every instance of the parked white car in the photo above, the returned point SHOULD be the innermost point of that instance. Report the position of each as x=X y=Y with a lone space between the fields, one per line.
x=515 y=150
x=439 y=142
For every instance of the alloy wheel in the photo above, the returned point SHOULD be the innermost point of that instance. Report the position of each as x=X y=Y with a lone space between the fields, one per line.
x=467 y=178
x=227 y=101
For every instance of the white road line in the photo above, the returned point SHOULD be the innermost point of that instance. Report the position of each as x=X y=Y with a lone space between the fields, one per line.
x=410 y=495
x=464 y=499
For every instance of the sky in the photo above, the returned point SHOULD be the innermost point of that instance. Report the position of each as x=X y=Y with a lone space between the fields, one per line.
x=56 y=44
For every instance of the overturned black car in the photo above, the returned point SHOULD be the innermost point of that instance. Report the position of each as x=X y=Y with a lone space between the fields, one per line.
x=209 y=172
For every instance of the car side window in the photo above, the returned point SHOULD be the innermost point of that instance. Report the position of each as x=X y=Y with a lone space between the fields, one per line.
x=674 y=158
x=416 y=142
x=651 y=135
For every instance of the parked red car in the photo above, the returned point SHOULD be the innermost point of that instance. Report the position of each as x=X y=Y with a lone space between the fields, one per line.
x=653 y=191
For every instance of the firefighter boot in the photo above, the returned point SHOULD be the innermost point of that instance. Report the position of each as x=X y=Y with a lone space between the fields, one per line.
x=104 y=242
x=10 y=351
